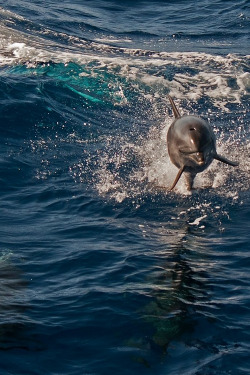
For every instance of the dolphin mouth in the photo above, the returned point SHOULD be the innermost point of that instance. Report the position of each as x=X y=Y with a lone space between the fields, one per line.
x=196 y=156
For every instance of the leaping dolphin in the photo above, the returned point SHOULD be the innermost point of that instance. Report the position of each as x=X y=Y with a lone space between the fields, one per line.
x=191 y=146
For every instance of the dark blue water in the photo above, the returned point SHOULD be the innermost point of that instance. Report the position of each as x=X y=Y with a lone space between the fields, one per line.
x=103 y=271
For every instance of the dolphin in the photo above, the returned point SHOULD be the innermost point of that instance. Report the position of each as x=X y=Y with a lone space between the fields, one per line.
x=191 y=146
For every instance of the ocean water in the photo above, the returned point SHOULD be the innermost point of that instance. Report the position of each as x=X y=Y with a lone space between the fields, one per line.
x=103 y=270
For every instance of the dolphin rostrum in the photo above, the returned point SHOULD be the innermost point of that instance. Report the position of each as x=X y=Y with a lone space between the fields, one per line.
x=191 y=146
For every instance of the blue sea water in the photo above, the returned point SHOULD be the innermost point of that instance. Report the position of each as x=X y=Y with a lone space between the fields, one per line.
x=103 y=270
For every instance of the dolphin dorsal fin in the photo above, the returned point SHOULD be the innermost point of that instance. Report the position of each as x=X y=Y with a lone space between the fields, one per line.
x=175 y=110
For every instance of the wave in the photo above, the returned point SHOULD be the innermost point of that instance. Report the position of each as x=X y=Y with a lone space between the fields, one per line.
x=190 y=75
x=143 y=23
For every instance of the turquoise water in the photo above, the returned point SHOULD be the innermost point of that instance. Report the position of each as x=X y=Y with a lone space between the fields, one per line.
x=103 y=270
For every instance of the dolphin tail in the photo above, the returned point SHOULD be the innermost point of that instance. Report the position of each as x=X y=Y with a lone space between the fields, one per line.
x=175 y=110
x=226 y=161
x=181 y=170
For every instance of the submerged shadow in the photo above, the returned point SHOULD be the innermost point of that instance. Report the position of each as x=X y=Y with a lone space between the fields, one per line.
x=178 y=294
x=177 y=290
x=15 y=325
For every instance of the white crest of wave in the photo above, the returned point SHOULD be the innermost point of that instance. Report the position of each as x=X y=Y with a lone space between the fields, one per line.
x=192 y=75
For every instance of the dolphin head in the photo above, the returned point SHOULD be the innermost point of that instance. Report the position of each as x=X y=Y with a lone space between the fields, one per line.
x=191 y=143
x=194 y=141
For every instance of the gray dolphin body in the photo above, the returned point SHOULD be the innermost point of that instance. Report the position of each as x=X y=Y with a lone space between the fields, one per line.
x=191 y=146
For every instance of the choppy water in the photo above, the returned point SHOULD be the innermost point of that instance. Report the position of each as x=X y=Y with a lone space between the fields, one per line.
x=103 y=271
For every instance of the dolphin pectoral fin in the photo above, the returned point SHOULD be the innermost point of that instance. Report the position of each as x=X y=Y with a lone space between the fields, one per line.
x=181 y=170
x=226 y=161
x=175 y=110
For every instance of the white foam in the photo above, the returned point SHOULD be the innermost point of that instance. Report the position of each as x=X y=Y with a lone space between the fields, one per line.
x=158 y=173
x=198 y=220
x=113 y=40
